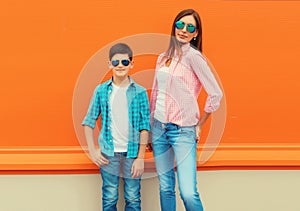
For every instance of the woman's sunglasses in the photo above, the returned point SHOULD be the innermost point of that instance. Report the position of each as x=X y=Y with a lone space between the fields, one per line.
x=124 y=62
x=190 y=27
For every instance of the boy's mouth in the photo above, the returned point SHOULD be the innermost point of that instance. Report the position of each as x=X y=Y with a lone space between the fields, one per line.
x=120 y=70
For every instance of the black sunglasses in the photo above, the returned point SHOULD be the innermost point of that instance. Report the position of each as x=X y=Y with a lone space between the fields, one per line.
x=189 y=27
x=124 y=62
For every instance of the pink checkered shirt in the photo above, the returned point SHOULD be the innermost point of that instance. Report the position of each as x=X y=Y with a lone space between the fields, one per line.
x=187 y=75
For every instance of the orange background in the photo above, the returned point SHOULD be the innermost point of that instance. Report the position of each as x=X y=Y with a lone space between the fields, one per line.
x=253 y=45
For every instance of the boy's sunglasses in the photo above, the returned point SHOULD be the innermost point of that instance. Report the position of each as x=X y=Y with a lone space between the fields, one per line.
x=124 y=62
x=190 y=27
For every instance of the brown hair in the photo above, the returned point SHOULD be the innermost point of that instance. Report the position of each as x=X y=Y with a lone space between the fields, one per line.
x=197 y=43
x=120 y=48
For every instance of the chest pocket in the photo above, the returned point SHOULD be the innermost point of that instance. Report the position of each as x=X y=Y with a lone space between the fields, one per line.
x=133 y=111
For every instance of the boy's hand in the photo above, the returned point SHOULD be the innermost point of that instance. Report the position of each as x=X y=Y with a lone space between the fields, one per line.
x=98 y=158
x=137 y=168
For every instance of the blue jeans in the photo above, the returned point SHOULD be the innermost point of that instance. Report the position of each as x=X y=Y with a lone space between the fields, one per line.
x=172 y=141
x=119 y=166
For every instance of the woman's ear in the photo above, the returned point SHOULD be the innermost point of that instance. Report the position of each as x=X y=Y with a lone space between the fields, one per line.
x=196 y=34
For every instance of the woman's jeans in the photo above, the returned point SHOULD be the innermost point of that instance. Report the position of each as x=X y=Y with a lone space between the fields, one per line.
x=169 y=141
x=110 y=183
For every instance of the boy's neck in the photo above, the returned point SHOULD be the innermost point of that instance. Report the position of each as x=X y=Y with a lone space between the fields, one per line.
x=121 y=81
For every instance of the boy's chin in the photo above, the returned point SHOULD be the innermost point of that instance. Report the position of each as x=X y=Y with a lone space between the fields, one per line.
x=121 y=76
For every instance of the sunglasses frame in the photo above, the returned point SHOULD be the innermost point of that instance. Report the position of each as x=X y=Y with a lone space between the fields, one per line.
x=116 y=62
x=183 y=24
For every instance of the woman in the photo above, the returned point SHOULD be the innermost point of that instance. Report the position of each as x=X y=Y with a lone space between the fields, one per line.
x=181 y=72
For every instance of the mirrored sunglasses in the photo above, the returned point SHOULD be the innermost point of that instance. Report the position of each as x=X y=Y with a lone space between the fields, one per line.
x=189 y=27
x=125 y=62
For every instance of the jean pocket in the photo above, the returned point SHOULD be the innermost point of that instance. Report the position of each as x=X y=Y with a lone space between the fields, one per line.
x=156 y=130
x=188 y=132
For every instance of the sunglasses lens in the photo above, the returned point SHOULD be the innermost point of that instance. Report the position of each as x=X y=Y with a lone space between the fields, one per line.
x=191 y=28
x=115 y=63
x=125 y=62
x=179 y=24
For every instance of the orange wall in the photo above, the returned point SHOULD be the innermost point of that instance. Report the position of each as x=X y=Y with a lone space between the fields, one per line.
x=253 y=45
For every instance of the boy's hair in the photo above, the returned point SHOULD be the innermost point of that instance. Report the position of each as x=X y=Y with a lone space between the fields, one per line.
x=120 y=48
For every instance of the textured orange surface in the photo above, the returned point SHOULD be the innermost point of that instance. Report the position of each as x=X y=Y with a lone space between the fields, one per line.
x=253 y=45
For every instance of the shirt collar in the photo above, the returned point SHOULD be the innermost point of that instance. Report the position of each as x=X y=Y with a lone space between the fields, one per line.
x=185 y=47
x=109 y=82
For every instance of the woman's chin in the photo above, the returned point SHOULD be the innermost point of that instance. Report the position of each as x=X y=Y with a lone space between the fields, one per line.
x=181 y=41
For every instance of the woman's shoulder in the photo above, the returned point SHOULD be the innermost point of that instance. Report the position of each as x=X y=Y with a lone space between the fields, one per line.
x=193 y=50
x=195 y=53
x=161 y=57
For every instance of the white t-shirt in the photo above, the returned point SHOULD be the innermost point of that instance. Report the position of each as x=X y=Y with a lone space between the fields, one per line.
x=119 y=118
x=160 y=110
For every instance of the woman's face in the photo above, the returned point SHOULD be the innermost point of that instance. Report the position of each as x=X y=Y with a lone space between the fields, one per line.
x=184 y=35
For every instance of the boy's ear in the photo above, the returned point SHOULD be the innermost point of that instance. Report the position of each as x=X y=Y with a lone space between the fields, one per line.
x=109 y=64
x=131 y=64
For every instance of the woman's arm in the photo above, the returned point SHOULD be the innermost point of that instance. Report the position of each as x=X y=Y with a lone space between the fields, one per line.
x=208 y=81
x=211 y=86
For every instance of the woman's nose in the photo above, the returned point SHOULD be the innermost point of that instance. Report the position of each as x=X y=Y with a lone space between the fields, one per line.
x=184 y=28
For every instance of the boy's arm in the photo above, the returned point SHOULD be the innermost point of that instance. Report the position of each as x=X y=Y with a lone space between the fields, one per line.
x=144 y=126
x=95 y=153
x=137 y=168
x=144 y=136
x=89 y=124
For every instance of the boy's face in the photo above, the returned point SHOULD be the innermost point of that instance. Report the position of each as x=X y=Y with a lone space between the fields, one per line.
x=120 y=65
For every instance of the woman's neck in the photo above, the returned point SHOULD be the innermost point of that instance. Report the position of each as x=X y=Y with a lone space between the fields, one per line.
x=177 y=48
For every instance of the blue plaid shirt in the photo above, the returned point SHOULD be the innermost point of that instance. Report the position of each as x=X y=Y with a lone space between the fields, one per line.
x=138 y=114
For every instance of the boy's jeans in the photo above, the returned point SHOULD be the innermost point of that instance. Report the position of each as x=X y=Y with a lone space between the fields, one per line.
x=171 y=140
x=110 y=183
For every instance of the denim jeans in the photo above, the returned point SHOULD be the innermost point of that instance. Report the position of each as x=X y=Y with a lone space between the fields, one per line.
x=119 y=166
x=172 y=141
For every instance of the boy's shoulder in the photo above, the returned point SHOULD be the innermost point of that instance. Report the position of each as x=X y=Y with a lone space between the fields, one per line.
x=106 y=83
x=139 y=87
x=102 y=85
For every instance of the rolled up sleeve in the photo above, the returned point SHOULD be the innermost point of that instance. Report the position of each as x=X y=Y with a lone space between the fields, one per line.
x=144 y=118
x=94 y=110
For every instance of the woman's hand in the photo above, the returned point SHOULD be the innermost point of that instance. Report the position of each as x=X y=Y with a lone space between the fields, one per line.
x=202 y=121
x=198 y=131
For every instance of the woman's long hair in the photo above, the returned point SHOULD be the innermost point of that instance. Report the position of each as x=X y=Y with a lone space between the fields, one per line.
x=175 y=44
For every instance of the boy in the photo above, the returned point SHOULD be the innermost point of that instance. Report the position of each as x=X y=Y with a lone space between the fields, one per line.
x=125 y=115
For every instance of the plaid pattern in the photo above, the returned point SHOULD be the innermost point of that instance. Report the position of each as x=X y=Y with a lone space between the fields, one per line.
x=138 y=114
